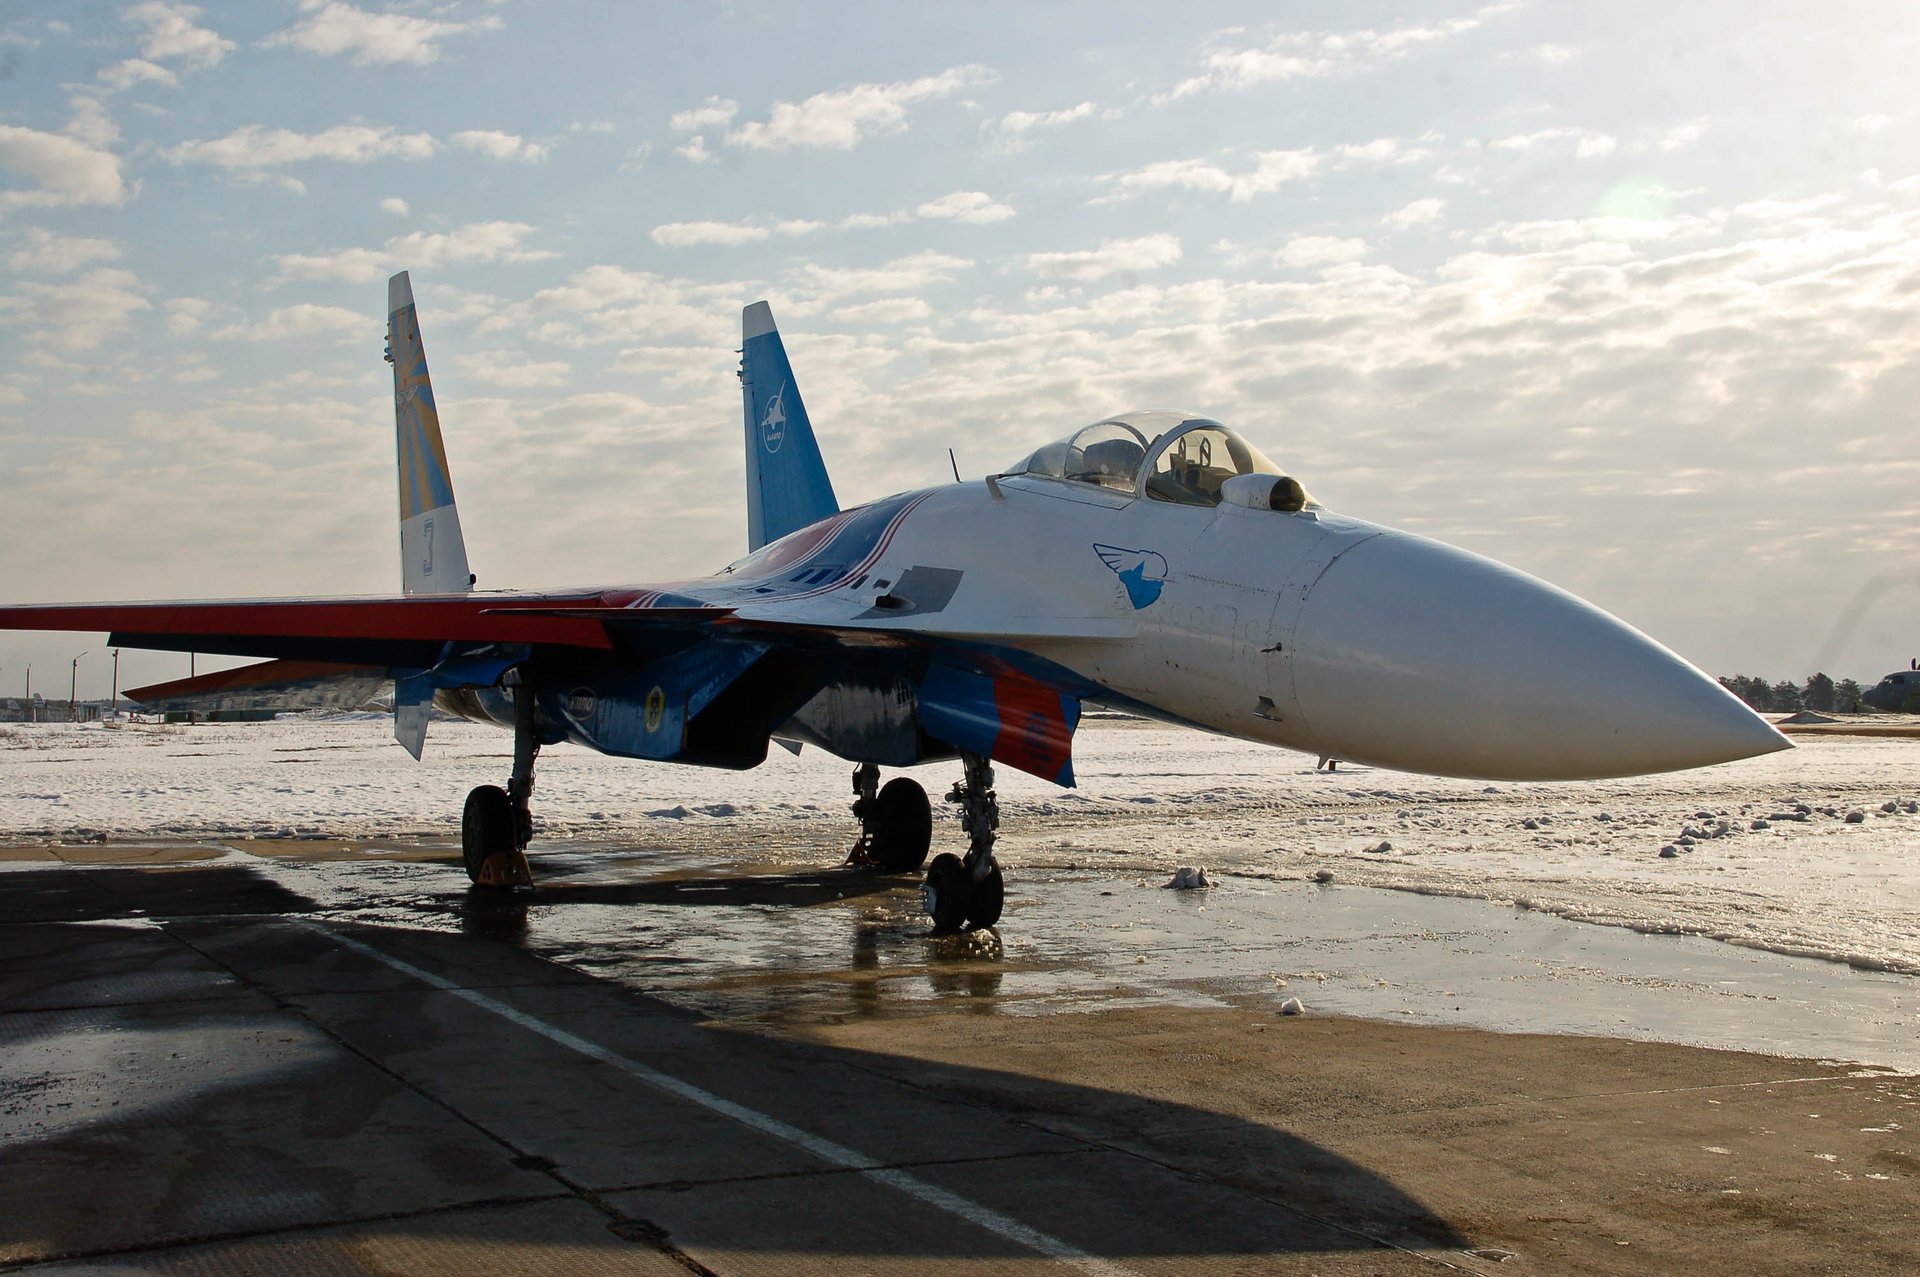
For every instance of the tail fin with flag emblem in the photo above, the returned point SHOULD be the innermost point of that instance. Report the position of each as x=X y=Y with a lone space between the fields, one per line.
x=787 y=483
x=433 y=554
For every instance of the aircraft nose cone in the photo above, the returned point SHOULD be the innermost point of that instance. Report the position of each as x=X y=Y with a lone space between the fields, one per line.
x=1415 y=655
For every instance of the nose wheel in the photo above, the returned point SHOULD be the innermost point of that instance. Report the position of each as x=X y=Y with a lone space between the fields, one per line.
x=967 y=894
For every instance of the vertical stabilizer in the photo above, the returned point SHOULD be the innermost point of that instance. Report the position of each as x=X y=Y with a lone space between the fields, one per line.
x=433 y=554
x=787 y=484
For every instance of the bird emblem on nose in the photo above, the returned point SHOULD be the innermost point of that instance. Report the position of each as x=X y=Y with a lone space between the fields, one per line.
x=1143 y=572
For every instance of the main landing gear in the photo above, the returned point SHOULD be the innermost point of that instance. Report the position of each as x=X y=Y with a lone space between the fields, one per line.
x=968 y=893
x=497 y=824
x=896 y=823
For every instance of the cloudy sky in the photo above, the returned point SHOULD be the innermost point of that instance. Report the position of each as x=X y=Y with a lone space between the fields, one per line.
x=1623 y=294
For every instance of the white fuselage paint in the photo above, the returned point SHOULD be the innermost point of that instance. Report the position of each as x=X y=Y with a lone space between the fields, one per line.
x=1311 y=631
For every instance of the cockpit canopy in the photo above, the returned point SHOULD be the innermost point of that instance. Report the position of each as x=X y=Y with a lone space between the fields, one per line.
x=1169 y=456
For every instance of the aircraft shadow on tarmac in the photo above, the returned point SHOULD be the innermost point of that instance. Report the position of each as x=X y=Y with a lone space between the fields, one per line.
x=340 y=1092
x=792 y=890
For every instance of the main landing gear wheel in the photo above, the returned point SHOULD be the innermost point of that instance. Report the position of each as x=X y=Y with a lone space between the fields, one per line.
x=896 y=823
x=497 y=824
x=486 y=830
x=902 y=826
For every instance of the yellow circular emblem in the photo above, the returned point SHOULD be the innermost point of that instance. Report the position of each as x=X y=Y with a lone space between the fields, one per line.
x=656 y=709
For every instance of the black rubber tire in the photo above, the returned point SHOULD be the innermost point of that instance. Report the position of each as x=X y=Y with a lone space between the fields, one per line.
x=985 y=899
x=902 y=826
x=945 y=893
x=486 y=827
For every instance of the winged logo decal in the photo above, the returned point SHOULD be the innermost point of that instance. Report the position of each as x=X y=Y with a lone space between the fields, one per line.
x=1143 y=572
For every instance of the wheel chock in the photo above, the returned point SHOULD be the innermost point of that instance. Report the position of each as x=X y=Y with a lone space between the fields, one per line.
x=505 y=869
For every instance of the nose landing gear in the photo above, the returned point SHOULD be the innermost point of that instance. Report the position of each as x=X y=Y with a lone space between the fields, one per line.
x=968 y=893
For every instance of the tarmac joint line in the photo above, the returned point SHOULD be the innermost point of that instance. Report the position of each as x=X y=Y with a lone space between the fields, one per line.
x=972 y=1212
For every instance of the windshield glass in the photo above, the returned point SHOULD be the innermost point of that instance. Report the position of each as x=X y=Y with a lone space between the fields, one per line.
x=1170 y=456
x=1107 y=453
x=1191 y=463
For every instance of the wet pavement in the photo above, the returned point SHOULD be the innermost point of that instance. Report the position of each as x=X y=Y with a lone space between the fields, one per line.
x=331 y=1058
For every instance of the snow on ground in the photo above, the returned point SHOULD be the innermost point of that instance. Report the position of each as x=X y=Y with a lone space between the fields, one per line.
x=1150 y=798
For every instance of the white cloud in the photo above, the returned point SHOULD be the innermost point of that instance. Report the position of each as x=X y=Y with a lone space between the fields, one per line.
x=1297 y=55
x=395 y=205
x=69 y=168
x=1320 y=250
x=1017 y=122
x=373 y=39
x=76 y=315
x=124 y=75
x=253 y=148
x=1552 y=55
x=694 y=151
x=1271 y=171
x=172 y=34
x=1112 y=257
x=185 y=313
x=911 y=274
x=693 y=234
x=47 y=253
x=887 y=311
x=1870 y=124
x=506 y=368
x=966 y=206
x=714 y=113
x=1385 y=150
x=1681 y=136
x=1587 y=144
x=418 y=250
x=499 y=146
x=960 y=206
x=300 y=321
x=840 y=119
x=1423 y=212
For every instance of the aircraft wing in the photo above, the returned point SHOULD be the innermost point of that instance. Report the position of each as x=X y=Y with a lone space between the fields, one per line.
x=393 y=631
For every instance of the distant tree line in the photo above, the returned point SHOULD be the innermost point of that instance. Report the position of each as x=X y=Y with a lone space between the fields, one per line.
x=1819 y=693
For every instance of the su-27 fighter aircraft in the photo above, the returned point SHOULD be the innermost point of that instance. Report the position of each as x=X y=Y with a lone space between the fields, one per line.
x=1155 y=562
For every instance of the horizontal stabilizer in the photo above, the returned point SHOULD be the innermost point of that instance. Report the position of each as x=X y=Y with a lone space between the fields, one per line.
x=271 y=685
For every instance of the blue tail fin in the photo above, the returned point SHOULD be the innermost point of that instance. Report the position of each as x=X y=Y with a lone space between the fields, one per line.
x=787 y=484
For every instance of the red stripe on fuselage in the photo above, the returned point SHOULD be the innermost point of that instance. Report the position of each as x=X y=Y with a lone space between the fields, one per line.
x=1033 y=728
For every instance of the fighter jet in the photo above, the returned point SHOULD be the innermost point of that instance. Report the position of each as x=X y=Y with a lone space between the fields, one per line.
x=1154 y=562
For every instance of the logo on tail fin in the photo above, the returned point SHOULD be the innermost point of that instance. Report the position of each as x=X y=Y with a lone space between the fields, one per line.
x=773 y=426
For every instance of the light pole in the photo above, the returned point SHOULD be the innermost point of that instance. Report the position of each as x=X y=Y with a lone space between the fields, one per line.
x=113 y=706
x=72 y=685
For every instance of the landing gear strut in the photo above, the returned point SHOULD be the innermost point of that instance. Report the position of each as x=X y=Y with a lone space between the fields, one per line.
x=896 y=822
x=968 y=893
x=497 y=824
